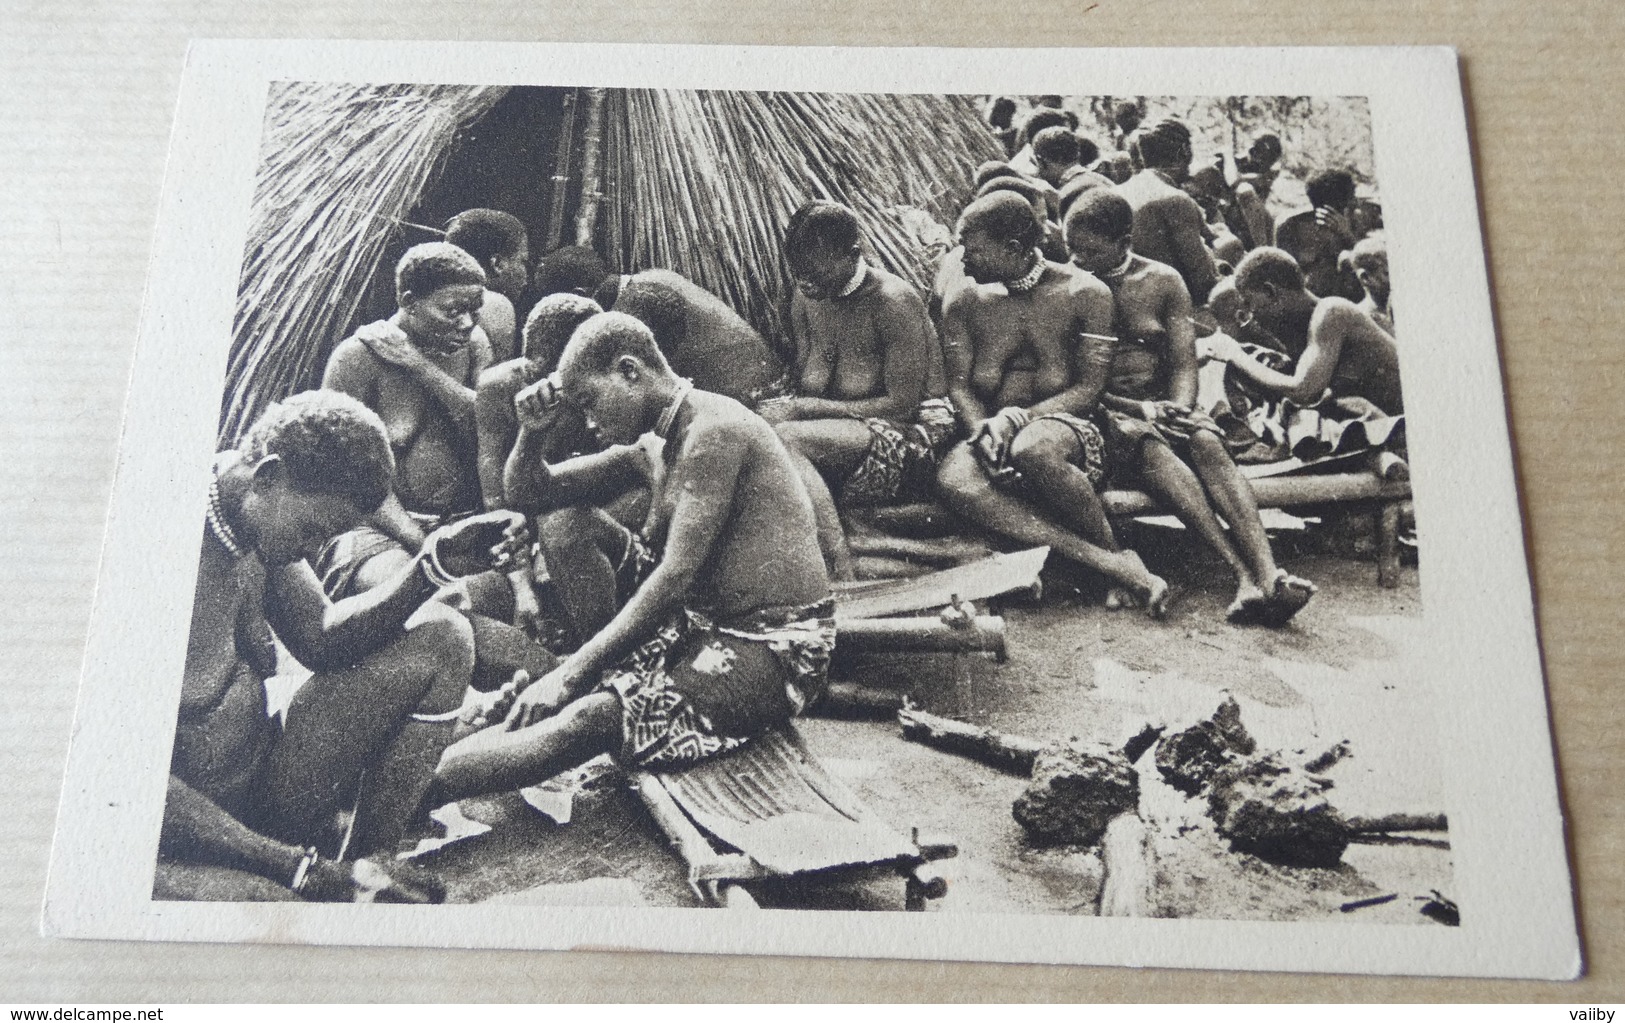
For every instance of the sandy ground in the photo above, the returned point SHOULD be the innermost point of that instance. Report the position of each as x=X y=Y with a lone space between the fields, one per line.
x=1341 y=672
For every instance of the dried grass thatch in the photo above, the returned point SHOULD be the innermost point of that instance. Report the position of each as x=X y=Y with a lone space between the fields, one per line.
x=703 y=182
x=340 y=167
x=698 y=182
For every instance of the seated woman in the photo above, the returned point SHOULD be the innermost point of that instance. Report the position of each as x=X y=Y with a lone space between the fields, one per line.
x=1344 y=351
x=1153 y=432
x=708 y=628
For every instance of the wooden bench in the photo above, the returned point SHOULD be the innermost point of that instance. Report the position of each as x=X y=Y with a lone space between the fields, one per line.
x=1377 y=480
x=769 y=811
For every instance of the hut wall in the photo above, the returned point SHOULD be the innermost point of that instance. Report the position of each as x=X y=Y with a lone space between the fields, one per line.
x=341 y=167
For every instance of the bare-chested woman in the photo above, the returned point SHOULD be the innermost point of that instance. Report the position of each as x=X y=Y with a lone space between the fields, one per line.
x=251 y=801
x=869 y=416
x=499 y=241
x=1023 y=351
x=712 y=625
x=1151 y=424
x=417 y=370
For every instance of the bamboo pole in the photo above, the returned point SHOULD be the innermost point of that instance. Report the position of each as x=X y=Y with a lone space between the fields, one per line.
x=561 y=169
x=592 y=161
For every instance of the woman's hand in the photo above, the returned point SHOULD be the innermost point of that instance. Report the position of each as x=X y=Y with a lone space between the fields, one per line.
x=546 y=697
x=496 y=540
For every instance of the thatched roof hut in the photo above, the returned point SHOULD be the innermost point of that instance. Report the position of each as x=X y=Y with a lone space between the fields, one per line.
x=697 y=182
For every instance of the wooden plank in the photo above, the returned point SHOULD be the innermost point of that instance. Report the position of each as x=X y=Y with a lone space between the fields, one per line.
x=990 y=577
x=771 y=801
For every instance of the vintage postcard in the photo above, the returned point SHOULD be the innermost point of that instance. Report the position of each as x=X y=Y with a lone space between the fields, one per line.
x=1045 y=506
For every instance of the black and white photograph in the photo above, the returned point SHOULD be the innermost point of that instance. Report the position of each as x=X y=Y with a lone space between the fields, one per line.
x=988 y=506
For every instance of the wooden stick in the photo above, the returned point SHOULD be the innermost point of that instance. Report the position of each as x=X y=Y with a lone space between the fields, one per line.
x=1013 y=753
x=1399 y=822
x=561 y=170
x=1124 y=855
x=983 y=633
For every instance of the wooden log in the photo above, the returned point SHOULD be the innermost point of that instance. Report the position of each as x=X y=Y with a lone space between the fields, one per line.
x=940 y=551
x=983 y=633
x=921 y=520
x=1399 y=822
x=1013 y=753
x=1387 y=465
x=855 y=701
x=1124 y=853
x=1388 y=545
x=1281 y=492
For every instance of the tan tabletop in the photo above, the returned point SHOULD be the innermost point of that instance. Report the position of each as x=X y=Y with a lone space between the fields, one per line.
x=84 y=119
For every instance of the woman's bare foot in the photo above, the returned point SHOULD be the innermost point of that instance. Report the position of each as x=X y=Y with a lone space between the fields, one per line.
x=1157 y=598
x=1248 y=606
x=1138 y=585
x=487 y=709
x=1287 y=597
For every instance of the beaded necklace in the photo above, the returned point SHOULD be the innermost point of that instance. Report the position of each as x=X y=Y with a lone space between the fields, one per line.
x=663 y=424
x=1029 y=280
x=1121 y=268
x=217 y=522
x=857 y=280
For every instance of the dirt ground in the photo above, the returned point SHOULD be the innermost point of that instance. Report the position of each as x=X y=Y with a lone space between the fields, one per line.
x=1341 y=672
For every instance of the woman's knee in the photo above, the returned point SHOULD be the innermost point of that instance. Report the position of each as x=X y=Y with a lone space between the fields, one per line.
x=793 y=435
x=597 y=714
x=567 y=532
x=1043 y=448
x=1208 y=450
x=439 y=642
x=960 y=479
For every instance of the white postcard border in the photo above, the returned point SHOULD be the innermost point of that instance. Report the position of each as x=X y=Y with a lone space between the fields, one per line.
x=1506 y=827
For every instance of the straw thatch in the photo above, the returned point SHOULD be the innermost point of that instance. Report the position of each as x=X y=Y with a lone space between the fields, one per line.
x=340 y=167
x=697 y=182
x=703 y=182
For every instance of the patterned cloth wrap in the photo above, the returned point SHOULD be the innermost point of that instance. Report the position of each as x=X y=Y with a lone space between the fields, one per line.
x=1138 y=371
x=1125 y=434
x=661 y=729
x=1090 y=456
x=901 y=462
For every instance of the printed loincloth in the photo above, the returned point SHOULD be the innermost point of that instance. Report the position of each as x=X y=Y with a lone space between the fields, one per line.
x=772 y=666
x=1090 y=455
x=1126 y=436
x=901 y=463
